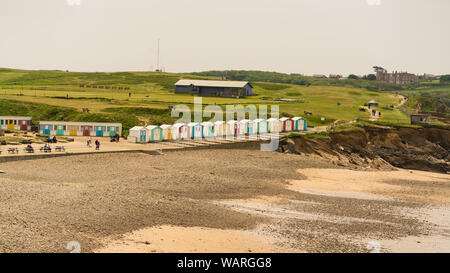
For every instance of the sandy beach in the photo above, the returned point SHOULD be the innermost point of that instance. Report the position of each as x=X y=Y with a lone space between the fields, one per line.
x=218 y=201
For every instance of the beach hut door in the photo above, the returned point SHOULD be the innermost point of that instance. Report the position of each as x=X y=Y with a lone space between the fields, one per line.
x=156 y=134
x=86 y=131
x=23 y=125
x=10 y=124
x=288 y=125
x=143 y=136
x=250 y=128
x=99 y=131
x=60 y=130
x=184 y=132
x=198 y=131
x=46 y=130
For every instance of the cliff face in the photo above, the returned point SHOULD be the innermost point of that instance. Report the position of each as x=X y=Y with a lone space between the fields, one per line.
x=425 y=149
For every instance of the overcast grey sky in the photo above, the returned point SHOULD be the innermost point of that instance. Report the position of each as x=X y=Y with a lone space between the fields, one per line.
x=294 y=36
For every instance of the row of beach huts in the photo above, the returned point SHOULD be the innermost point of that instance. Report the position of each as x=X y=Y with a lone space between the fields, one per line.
x=218 y=129
x=152 y=133
x=62 y=128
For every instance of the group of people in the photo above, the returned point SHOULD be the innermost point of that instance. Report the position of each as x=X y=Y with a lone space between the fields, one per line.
x=374 y=113
x=47 y=147
x=51 y=140
x=97 y=143
x=29 y=148
x=115 y=138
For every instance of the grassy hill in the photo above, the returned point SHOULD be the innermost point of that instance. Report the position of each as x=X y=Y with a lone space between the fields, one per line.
x=59 y=95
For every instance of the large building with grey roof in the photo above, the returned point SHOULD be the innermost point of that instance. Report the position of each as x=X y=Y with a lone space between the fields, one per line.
x=228 y=89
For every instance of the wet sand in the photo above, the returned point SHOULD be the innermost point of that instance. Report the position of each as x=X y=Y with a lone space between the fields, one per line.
x=409 y=185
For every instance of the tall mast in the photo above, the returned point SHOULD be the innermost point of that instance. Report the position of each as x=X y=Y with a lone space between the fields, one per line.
x=157 y=64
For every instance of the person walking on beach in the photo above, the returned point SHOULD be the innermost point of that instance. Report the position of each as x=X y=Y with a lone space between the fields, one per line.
x=97 y=144
x=89 y=143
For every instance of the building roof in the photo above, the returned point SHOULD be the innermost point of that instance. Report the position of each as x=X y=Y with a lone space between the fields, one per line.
x=137 y=128
x=80 y=123
x=232 y=84
x=152 y=127
x=18 y=118
x=420 y=115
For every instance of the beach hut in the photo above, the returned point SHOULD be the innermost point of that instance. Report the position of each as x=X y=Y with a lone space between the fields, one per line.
x=156 y=133
x=274 y=125
x=262 y=126
x=196 y=130
x=287 y=124
x=243 y=127
x=247 y=127
x=252 y=128
x=167 y=132
x=219 y=128
x=208 y=130
x=15 y=123
x=180 y=131
x=299 y=124
x=232 y=128
x=93 y=129
x=138 y=134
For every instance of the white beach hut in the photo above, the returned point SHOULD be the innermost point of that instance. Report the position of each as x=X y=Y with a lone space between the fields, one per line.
x=219 y=128
x=247 y=127
x=243 y=127
x=208 y=130
x=167 y=132
x=232 y=128
x=287 y=124
x=252 y=128
x=138 y=134
x=196 y=130
x=299 y=124
x=180 y=131
x=262 y=126
x=155 y=133
x=274 y=125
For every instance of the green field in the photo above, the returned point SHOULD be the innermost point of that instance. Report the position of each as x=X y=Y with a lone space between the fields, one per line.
x=59 y=95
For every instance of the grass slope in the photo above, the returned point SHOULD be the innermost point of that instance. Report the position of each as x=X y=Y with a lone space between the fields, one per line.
x=58 y=95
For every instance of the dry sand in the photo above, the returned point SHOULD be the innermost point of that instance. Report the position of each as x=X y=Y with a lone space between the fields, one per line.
x=233 y=200
x=171 y=239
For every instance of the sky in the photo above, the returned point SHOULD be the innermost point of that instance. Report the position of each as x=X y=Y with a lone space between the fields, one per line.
x=291 y=36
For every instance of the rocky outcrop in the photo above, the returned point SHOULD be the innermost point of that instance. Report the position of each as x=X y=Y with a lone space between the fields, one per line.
x=425 y=149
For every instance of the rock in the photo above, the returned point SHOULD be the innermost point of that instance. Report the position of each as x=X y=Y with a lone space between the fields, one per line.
x=2 y=171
